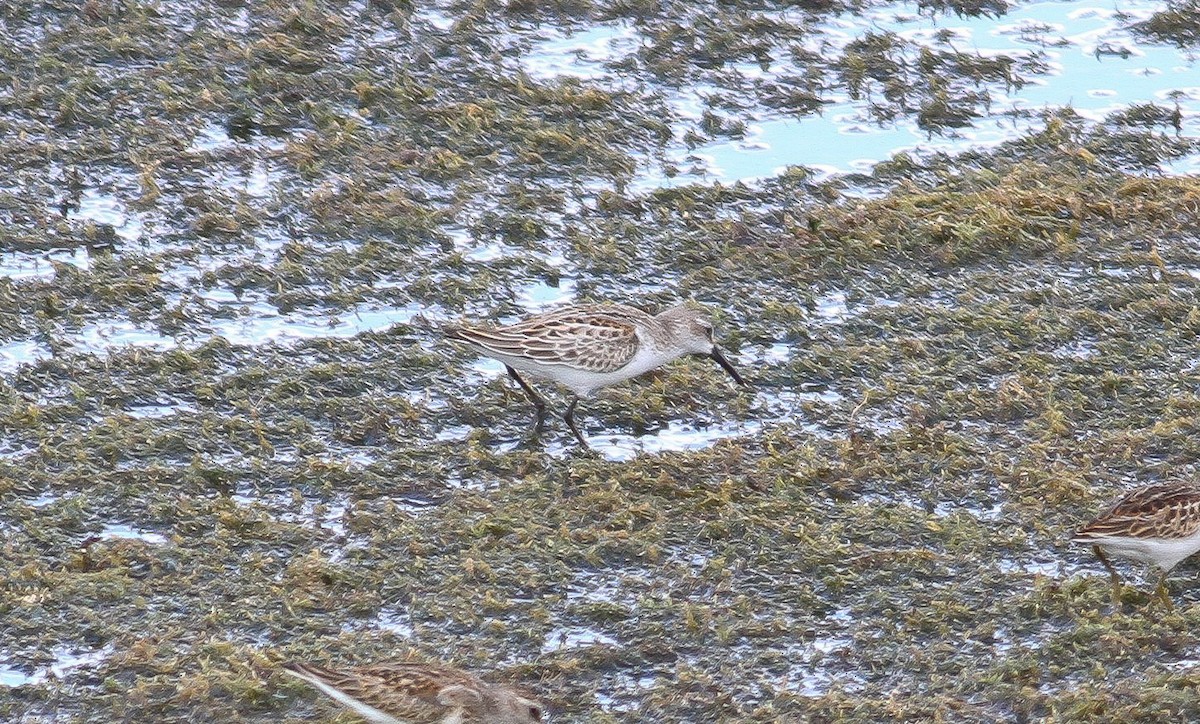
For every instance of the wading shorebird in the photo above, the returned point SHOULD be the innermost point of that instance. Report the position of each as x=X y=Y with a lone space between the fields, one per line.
x=408 y=693
x=590 y=346
x=1157 y=524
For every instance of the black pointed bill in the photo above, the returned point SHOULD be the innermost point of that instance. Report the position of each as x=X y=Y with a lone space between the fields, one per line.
x=720 y=358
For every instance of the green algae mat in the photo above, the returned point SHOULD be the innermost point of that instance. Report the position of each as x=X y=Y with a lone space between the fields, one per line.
x=232 y=435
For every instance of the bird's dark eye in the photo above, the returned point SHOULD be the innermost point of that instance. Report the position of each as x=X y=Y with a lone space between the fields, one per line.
x=708 y=333
x=536 y=713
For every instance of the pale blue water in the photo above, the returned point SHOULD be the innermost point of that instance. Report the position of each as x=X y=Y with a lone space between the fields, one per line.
x=844 y=138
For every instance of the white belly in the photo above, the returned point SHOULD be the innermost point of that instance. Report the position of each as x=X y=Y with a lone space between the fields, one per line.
x=1165 y=553
x=584 y=382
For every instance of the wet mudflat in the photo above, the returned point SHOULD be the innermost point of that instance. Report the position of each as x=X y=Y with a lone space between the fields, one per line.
x=232 y=435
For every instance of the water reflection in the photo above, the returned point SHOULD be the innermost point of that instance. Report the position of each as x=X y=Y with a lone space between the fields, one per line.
x=1079 y=54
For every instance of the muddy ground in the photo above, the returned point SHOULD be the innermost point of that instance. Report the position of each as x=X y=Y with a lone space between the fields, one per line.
x=956 y=361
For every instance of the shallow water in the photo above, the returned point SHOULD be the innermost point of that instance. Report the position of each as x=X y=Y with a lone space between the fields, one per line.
x=678 y=435
x=1095 y=66
x=120 y=530
x=66 y=659
x=945 y=383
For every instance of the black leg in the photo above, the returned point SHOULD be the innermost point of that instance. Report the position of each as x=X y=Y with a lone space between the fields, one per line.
x=570 y=418
x=538 y=403
x=1112 y=572
x=1164 y=595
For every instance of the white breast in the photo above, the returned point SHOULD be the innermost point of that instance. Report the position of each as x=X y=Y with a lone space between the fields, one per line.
x=583 y=382
x=1165 y=553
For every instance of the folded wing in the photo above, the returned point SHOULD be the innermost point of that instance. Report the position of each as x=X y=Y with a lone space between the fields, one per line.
x=1169 y=510
x=580 y=338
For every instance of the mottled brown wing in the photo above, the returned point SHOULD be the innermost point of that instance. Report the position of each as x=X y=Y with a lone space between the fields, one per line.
x=457 y=695
x=330 y=676
x=404 y=689
x=596 y=339
x=420 y=681
x=1166 y=510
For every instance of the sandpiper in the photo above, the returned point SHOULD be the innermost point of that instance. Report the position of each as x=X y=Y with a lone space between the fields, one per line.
x=1157 y=524
x=590 y=346
x=407 y=692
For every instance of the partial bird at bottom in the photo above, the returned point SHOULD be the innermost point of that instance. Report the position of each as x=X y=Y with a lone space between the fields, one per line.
x=1157 y=524
x=411 y=693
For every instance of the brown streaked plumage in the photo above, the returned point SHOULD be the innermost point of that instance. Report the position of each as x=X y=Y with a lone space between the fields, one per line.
x=589 y=346
x=410 y=692
x=600 y=339
x=1158 y=524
